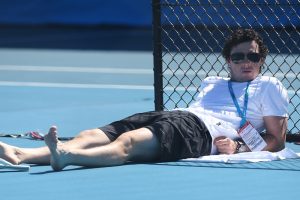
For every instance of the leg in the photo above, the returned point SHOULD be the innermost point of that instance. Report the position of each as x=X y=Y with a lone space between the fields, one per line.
x=137 y=145
x=17 y=155
x=41 y=155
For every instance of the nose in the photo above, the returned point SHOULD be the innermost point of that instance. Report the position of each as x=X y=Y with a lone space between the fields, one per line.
x=246 y=64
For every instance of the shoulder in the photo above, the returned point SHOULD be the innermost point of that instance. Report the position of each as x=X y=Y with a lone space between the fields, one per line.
x=272 y=86
x=268 y=83
x=215 y=80
x=267 y=80
x=274 y=97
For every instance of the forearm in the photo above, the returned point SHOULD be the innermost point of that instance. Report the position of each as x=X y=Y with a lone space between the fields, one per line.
x=275 y=133
x=273 y=144
x=229 y=146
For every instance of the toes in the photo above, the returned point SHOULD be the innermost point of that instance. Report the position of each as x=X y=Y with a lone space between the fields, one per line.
x=52 y=135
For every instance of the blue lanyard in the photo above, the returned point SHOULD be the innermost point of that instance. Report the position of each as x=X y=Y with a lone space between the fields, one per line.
x=242 y=114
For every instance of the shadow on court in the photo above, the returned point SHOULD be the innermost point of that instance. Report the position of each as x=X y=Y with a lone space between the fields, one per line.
x=282 y=165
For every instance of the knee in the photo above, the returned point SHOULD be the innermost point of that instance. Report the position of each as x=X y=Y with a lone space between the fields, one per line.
x=124 y=146
x=88 y=133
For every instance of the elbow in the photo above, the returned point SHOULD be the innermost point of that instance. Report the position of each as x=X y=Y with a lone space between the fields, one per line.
x=281 y=146
x=276 y=146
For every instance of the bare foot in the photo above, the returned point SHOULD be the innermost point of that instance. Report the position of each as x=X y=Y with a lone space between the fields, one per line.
x=9 y=153
x=56 y=148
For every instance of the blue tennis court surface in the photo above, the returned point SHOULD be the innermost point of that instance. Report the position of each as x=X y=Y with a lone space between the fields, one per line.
x=78 y=90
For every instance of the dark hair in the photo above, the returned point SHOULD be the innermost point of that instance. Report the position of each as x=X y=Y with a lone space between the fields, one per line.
x=244 y=35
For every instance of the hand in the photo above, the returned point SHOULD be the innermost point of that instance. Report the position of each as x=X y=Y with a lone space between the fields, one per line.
x=225 y=145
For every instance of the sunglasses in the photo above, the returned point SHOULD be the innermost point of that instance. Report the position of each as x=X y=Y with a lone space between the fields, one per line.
x=239 y=57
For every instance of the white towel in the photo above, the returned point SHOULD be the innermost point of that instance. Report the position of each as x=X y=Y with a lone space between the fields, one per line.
x=259 y=156
x=7 y=165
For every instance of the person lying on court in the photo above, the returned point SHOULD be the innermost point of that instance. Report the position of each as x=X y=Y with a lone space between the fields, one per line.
x=227 y=117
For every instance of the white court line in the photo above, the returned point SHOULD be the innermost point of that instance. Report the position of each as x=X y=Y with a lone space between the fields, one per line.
x=100 y=86
x=96 y=70
x=88 y=86
x=74 y=69
x=75 y=85
x=114 y=70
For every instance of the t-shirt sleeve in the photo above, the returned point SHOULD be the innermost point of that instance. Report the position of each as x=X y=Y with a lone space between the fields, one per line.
x=200 y=94
x=275 y=99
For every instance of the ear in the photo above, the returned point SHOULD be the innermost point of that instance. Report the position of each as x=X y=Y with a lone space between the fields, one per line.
x=228 y=62
x=229 y=67
x=262 y=62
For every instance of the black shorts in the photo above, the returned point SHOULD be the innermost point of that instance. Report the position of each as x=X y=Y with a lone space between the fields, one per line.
x=181 y=134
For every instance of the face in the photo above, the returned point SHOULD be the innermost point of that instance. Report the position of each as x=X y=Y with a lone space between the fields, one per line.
x=245 y=62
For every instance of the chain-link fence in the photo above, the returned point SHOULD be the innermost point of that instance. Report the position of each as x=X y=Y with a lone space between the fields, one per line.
x=189 y=36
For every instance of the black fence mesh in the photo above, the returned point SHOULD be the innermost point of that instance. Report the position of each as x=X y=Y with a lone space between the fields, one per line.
x=189 y=36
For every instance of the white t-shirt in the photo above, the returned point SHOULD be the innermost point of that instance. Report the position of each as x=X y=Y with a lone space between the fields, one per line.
x=215 y=107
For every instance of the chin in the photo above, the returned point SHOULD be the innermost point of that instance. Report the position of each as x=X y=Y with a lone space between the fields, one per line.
x=251 y=78
x=244 y=79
